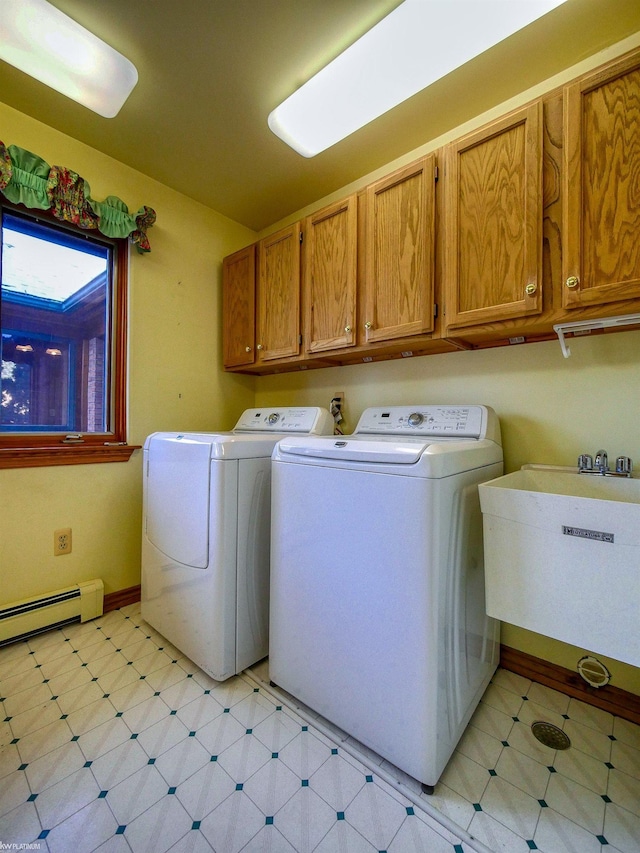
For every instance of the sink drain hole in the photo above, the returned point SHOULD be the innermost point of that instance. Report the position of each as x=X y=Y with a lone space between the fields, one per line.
x=550 y=735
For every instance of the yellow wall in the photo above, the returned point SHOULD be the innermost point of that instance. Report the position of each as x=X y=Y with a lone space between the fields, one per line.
x=176 y=381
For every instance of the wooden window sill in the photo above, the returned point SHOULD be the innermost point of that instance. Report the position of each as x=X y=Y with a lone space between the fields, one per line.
x=36 y=457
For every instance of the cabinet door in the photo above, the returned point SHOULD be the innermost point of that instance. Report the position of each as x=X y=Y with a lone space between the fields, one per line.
x=601 y=253
x=330 y=267
x=493 y=222
x=238 y=307
x=398 y=281
x=278 y=334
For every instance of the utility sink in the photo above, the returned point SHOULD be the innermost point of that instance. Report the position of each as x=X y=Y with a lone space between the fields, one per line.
x=562 y=557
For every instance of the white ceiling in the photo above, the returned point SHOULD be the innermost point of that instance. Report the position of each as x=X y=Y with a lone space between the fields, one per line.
x=210 y=71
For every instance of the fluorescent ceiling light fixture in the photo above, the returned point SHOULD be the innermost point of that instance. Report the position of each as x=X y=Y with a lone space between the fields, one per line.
x=45 y=43
x=415 y=45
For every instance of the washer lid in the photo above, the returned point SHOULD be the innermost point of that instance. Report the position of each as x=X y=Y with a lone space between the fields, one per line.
x=408 y=456
x=403 y=452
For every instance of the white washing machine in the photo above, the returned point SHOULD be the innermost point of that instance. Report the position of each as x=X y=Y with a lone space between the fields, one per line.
x=378 y=617
x=206 y=531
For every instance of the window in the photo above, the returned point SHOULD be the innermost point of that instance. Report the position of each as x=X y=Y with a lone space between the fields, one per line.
x=63 y=319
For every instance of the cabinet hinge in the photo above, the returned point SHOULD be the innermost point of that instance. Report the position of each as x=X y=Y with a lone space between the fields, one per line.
x=300 y=339
x=301 y=237
x=435 y=309
x=436 y=174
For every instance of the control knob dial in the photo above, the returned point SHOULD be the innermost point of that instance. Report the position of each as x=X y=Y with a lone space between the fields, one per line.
x=273 y=418
x=415 y=419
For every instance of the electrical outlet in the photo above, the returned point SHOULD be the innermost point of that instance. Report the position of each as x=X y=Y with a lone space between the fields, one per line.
x=61 y=541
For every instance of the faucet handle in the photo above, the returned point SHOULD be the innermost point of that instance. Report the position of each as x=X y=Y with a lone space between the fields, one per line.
x=602 y=460
x=624 y=465
x=585 y=462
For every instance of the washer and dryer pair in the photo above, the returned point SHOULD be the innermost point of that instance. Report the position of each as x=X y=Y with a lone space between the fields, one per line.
x=377 y=613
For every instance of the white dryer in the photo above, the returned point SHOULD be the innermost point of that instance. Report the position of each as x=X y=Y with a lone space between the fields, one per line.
x=206 y=531
x=378 y=617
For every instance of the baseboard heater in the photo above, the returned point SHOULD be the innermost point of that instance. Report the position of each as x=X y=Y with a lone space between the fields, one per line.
x=21 y=619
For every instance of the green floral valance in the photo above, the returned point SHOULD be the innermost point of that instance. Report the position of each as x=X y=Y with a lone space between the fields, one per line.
x=27 y=179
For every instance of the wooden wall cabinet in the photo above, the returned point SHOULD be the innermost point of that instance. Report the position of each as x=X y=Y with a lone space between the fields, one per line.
x=238 y=308
x=261 y=303
x=278 y=295
x=601 y=252
x=330 y=268
x=369 y=270
x=493 y=222
x=398 y=282
x=536 y=222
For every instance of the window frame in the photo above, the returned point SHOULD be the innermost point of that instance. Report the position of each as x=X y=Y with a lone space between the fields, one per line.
x=30 y=450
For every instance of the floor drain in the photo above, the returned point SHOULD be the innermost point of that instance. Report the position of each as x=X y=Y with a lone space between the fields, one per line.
x=550 y=735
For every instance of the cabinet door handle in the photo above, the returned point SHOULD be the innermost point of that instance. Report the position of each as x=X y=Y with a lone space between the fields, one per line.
x=368 y=325
x=531 y=288
x=247 y=349
x=572 y=281
x=259 y=346
x=347 y=329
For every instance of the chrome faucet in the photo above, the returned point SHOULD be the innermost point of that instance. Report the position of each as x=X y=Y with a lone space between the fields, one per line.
x=586 y=465
x=602 y=462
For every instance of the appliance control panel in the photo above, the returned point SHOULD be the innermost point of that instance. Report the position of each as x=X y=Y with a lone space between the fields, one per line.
x=303 y=419
x=438 y=421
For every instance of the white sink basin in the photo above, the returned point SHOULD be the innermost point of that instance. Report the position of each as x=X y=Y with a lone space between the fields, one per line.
x=562 y=557
x=562 y=482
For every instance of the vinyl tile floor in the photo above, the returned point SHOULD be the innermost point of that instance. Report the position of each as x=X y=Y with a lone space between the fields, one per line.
x=112 y=740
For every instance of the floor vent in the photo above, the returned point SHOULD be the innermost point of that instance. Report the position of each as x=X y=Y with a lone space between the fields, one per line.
x=33 y=615
x=550 y=735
